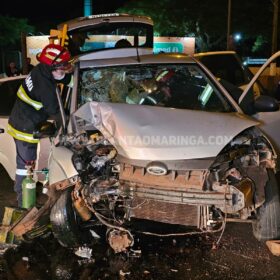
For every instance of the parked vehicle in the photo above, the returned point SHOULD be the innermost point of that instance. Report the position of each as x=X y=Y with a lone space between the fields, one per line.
x=227 y=66
x=235 y=77
x=157 y=137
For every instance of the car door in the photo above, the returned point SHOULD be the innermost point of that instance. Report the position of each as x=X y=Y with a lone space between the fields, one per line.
x=8 y=90
x=227 y=65
x=269 y=121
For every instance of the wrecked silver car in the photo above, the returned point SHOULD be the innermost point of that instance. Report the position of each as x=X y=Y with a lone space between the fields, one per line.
x=156 y=137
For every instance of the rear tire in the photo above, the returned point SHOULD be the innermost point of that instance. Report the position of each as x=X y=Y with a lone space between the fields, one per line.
x=267 y=225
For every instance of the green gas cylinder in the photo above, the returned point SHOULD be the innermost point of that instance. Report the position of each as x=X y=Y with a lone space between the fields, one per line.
x=28 y=190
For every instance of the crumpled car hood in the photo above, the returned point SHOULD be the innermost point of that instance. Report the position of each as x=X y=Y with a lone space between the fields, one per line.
x=157 y=133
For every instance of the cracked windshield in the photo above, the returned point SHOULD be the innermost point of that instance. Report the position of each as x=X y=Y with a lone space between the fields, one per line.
x=175 y=86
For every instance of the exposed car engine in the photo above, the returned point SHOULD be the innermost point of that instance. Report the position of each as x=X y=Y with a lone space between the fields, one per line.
x=114 y=189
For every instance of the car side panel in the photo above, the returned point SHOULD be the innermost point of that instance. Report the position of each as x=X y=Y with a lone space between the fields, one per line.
x=8 y=152
x=7 y=149
x=8 y=90
x=270 y=126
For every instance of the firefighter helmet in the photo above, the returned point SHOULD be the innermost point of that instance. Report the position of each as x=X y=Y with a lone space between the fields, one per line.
x=55 y=56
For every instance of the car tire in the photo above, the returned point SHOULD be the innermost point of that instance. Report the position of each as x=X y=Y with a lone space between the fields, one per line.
x=267 y=225
x=64 y=221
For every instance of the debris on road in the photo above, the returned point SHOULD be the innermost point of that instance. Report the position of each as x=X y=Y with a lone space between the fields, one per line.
x=83 y=252
x=94 y=234
x=11 y=215
x=5 y=247
x=274 y=247
x=134 y=253
x=26 y=259
x=122 y=273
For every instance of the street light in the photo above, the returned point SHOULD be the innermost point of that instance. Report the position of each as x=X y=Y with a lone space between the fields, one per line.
x=237 y=37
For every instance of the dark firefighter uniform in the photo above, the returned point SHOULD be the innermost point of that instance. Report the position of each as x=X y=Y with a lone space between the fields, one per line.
x=36 y=101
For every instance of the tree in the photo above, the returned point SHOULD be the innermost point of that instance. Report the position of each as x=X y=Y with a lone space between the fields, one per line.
x=184 y=18
x=11 y=29
x=204 y=19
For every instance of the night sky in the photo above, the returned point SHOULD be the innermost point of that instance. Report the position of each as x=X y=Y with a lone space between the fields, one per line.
x=55 y=11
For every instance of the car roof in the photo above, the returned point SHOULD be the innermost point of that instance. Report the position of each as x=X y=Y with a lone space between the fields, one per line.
x=114 y=59
x=96 y=19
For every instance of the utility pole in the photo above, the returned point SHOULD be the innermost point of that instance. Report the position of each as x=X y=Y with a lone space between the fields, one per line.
x=24 y=54
x=228 y=24
x=273 y=65
x=274 y=26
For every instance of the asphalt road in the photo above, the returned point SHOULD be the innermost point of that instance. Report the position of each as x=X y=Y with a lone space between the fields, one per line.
x=238 y=256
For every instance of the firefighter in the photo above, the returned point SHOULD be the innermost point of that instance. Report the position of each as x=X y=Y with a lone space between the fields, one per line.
x=36 y=102
x=162 y=94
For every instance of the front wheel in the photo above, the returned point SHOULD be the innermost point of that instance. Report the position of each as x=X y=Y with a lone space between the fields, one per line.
x=64 y=222
x=267 y=225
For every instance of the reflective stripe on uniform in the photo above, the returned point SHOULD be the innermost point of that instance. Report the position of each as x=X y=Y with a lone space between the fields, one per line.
x=159 y=77
x=27 y=137
x=21 y=93
x=71 y=83
x=21 y=172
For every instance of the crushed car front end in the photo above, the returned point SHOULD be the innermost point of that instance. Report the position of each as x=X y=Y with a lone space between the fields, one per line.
x=187 y=158
x=201 y=192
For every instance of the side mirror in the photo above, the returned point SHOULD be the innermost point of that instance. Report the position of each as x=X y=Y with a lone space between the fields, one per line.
x=266 y=103
x=44 y=129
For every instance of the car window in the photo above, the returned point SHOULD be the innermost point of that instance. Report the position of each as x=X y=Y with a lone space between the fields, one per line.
x=176 y=86
x=8 y=93
x=226 y=67
x=104 y=36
